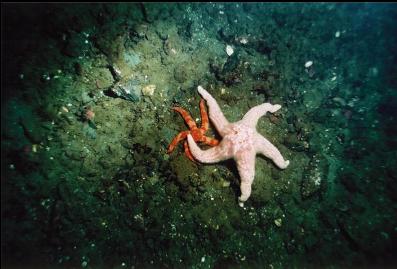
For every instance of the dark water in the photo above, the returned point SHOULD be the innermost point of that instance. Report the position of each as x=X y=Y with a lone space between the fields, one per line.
x=86 y=119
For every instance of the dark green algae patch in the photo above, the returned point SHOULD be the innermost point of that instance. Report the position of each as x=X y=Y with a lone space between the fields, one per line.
x=86 y=119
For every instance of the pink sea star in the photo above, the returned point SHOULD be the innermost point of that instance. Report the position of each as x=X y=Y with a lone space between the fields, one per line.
x=240 y=141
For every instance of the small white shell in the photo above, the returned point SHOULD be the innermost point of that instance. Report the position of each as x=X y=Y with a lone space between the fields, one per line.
x=308 y=64
x=229 y=50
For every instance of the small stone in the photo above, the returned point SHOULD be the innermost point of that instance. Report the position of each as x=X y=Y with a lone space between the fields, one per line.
x=278 y=222
x=149 y=90
x=273 y=119
x=308 y=64
x=337 y=34
x=229 y=50
x=244 y=40
x=225 y=183
x=128 y=90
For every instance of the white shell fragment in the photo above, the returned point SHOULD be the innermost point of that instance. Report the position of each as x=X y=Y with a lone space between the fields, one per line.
x=229 y=50
x=308 y=64
x=244 y=40
x=148 y=90
x=278 y=222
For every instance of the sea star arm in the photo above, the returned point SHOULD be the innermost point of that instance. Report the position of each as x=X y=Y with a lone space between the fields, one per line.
x=204 y=116
x=215 y=113
x=187 y=152
x=252 y=116
x=175 y=141
x=210 y=141
x=186 y=116
x=263 y=146
x=212 y=155
x=246 y=169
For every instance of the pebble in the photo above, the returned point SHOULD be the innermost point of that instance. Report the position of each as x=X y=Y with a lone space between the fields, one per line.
x=148 y=90
x=278 y=222
x=308 y=64
x=229 y=50
x=225 y=184
x=243 y=40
